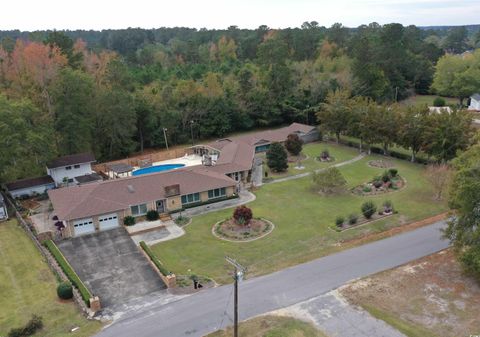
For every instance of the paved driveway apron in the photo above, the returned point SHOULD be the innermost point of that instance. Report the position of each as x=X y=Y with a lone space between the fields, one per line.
x=111 y=266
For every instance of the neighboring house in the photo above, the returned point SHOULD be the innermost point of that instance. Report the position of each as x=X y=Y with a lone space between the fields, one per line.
x=65 y=170
x=474 y=102
x=30 y=186
x=3 y=209
x=234 y=156
x=100 y=206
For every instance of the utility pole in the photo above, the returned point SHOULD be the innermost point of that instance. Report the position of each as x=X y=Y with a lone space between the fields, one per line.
x=191 y=129
x=165 y=136
x=238 y=276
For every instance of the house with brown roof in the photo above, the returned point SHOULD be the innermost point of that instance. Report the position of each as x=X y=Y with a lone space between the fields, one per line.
x=234 y=156
x=103 y=205
x=29 y=187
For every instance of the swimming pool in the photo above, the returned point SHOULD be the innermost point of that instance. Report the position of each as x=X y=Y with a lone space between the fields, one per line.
x=156 y=168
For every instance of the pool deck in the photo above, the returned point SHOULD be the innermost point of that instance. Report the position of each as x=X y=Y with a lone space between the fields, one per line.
x=190 y=160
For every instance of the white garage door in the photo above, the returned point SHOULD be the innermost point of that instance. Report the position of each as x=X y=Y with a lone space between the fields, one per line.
x=108 y=221
x=83 y=226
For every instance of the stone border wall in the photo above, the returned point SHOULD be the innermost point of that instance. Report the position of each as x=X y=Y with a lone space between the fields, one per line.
x=51 y=262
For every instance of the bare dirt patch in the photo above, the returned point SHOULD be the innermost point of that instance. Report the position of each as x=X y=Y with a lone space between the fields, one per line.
x=431 y=294
x=381 y=163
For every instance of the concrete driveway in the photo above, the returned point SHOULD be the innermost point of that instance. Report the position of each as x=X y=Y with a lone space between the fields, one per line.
x=111 y=266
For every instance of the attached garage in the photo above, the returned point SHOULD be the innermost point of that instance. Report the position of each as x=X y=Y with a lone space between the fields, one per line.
x=83 y=226
x=108 y=221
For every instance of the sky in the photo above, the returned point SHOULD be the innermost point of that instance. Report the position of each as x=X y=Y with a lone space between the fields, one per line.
x=114 y=14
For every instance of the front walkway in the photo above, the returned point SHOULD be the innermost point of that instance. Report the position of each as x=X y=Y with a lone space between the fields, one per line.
x=168 y=231
x=332 y=314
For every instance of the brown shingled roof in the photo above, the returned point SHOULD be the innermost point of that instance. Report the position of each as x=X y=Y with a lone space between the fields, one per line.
x=72 y=159
x=29 y=182
x=113 y=195
x=237 y=153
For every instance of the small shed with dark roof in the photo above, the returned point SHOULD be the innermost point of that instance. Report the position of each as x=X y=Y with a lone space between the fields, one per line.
x=119 y=170
x=29 y=187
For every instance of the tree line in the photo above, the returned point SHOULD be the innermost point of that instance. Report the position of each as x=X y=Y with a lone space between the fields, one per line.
x=113 y=92
x=439 y=134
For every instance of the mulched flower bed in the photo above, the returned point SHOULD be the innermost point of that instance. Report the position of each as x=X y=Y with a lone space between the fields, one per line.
x=369 y=188
x=361 y=221
x=325 y=159
x=381 y=164
x=185 y=285
x=230 y=230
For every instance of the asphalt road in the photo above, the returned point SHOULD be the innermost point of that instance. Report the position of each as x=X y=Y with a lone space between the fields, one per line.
x=203 y=312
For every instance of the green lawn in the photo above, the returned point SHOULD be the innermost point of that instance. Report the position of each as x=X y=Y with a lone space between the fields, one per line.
x=272 y=326
x=312 y=151
x=302 y=219
x=428 y=99
x=407 y=328
x=27 y=287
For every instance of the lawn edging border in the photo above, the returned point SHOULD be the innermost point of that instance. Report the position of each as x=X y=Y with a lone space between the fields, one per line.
x=272 y=227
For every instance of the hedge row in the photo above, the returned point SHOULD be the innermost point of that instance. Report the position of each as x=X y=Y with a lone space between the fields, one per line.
x=392 y=153
x=154 y=259
x=68 y=270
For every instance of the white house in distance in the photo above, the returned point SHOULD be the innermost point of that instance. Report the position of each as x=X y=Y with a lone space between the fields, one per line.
x=474 y=102
x=73 y=169
x=3 y=209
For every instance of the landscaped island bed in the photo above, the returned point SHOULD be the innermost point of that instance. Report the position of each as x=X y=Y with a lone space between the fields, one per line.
x=302 y=219
x=28 y=287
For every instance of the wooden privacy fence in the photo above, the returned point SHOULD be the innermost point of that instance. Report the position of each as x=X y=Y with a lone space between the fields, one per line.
x=152 y=157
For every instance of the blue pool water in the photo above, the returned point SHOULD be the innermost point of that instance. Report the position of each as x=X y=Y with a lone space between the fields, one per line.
x=156 y=168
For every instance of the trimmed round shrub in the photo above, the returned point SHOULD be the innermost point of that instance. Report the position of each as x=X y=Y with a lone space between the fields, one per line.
x=152 y=215
x=65 y=291
x=439 y=102
x=339 y=221
x=387 y=206
x=367 y=189
x=293 y=144
x=393 y=172
x=129 y=220
x=368 y=209
x=242 y=215
x=352 y=219
x=325 y=154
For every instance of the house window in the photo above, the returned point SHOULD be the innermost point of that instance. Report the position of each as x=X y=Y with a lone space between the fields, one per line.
x=68 y=167
x=190 y=198
x=138 y=210
x=217 y=193
x=76 y=166
x=70 y=180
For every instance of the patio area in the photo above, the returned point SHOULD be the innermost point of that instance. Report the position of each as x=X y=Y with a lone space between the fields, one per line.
x=187 y=160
